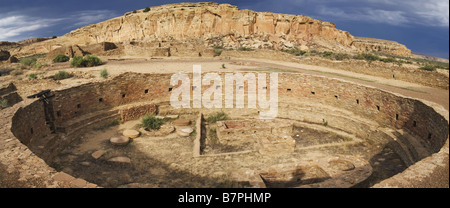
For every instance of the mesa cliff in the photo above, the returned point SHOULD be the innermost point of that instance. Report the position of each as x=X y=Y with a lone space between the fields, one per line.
x=195 y=28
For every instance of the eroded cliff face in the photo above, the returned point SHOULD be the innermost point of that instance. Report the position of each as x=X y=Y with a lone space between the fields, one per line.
x=204 y=25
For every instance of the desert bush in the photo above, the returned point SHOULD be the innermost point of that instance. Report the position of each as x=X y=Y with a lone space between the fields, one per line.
x=32 y=76
x=4 y=103
x=217 y=52
x=29 y=61
x=61 y=58
x=77 y=61
x=87 y=61
x=92 y=60
x=61 y=75
x=334 y=56
x=428 y=68
x=104 y=73
x=151 y=122
x=147 y=9
x=219 y=116
x=368 y=57
x=327 y=54
x=245 y=49
x=295 y=52
x=39 y=65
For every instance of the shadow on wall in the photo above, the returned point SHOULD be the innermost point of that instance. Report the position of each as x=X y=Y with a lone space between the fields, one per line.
x=428 y=125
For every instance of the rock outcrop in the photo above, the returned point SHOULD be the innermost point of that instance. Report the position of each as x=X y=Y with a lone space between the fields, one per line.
x=4 y=55
x=195 y=28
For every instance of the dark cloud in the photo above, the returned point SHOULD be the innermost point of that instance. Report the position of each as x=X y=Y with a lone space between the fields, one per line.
x=23 y=19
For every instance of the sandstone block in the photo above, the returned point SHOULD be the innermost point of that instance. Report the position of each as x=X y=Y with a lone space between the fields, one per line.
x=97 y=154
x=131 y=133
x=120 y=140
x=124 y=160
x=182 y=122
x=184 y=131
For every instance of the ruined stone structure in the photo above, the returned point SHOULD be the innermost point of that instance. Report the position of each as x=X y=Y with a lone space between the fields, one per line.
x=232 y=131
x=10 y=95
x=194 y=28
x=35 y=130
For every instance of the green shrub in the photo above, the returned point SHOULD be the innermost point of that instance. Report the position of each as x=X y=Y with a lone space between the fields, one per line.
x=327 y=54
x=428 y=68
x=295 y=52
x=341 y=56
x=87 y=61
x=223 y=66
x=4 y=103
x=134 y=11
x=219 y=116
x=217 y=52
x=92 y=60
x=104 y=73
x=61 y=75
x=32 y=76
x=61 y=58
x=245 y=49
x=39 y=65
x=147 y=9
x=29 y=61
x=53 y=37
x=151 y=122
x=367 y=56
x=77 y=61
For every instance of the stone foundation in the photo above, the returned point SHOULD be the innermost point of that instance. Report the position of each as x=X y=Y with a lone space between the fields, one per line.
x=275 y=144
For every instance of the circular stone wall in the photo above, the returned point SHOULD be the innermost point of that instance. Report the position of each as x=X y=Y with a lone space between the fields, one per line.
x=35 y=131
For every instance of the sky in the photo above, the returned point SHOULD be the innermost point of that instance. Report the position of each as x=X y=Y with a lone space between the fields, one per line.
x=422 y=25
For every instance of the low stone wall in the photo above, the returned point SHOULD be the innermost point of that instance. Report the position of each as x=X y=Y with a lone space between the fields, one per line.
x=236 y=131
x=10 y=95
x=199 y=129
x=135 y=112
x=273 y=144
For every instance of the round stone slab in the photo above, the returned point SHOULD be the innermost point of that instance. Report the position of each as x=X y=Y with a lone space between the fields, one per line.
x=181 y=122
x=184 y=131
x=131 y=133
x=120 y=160
x=119 y=140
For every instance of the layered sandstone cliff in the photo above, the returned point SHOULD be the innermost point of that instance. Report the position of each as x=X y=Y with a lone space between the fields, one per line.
x=198 y=26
